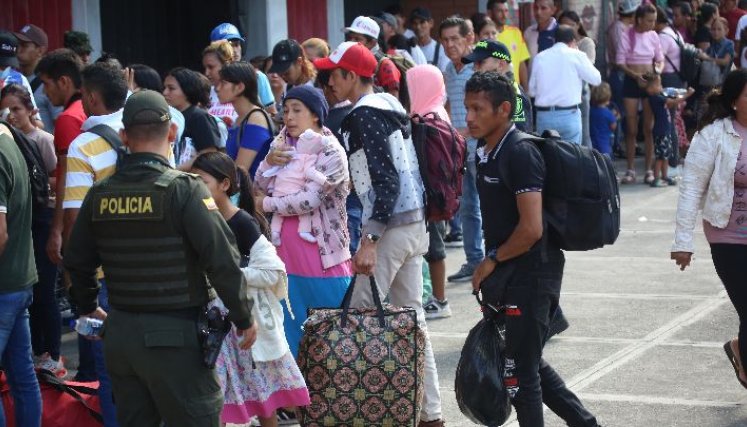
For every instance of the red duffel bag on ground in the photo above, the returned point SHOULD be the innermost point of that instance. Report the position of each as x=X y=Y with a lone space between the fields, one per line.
x=64 y=403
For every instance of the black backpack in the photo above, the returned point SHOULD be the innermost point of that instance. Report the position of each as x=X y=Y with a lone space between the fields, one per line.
x=690 y=61
x=111 y=137
x=581 y=198
x=38 y=176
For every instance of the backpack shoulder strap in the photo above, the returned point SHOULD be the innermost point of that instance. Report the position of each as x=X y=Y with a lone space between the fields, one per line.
x=35 y=84
x=109 y=136
x=436 y=54
x=27 y=147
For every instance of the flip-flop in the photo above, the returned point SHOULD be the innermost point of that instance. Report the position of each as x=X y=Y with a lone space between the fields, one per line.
x=734 y=363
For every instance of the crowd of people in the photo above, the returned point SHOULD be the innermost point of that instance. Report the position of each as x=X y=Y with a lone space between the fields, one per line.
x=303 y=174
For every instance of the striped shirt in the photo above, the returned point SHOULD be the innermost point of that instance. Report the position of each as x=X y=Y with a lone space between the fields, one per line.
x=89 y=159
x=455 y=85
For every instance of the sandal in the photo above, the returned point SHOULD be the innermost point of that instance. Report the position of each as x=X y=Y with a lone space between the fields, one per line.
x=629 y=177
x=734 y=362
x=649 y=177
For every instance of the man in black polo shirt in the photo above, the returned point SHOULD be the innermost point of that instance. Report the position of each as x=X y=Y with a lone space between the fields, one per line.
x=532 y=267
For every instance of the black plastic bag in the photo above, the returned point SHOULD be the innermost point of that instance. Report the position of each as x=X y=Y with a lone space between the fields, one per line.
x=480 y=392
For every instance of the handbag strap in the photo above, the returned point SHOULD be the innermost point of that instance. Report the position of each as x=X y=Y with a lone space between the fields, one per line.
x=49 y=378
x=349 y=296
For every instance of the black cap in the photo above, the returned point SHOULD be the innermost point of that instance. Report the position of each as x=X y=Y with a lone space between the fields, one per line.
x=284 y=54
x=144 y=108
x=8 y=50
x=420 y=13
x=485 y=49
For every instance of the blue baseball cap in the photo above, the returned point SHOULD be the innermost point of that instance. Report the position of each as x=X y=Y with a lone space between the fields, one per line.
x=225 y=31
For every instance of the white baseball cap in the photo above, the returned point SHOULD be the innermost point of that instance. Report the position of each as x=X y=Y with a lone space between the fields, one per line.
x=364 y=25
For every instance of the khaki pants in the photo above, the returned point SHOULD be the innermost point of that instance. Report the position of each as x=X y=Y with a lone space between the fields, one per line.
x=399 y=275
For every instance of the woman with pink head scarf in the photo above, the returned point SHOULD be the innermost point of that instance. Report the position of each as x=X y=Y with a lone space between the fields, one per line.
x=428 y=95
x=427 y=91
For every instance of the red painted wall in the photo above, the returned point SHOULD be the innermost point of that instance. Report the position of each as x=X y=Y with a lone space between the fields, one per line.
x=53 y=16
x=307 y=19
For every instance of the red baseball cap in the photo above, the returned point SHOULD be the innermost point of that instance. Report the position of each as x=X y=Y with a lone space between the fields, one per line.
x=351 y=56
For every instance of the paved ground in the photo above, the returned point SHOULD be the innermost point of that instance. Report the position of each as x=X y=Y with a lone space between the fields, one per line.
x=644 y=346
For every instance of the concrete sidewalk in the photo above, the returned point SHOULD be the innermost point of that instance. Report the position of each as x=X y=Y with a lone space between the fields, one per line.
x=644 y=345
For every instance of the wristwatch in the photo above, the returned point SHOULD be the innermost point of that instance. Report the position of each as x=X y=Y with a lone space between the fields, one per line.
x=493 y=255
x=373 y=238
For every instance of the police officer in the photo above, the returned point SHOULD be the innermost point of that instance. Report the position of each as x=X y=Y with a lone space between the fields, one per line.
x=157 y=234
x=491 y=55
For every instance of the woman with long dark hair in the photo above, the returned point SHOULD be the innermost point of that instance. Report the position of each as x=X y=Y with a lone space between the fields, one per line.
x=714 y=181
x=185 y=91
x=259 y=381
x=705 y=17
x=639 y=56
x=249 y=140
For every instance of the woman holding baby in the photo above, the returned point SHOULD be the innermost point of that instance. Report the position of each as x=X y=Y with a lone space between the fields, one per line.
x=304 y=180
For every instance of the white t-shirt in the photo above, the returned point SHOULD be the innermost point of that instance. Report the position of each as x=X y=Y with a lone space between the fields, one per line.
x=418 y=57
x=430 y=49
x=740 y=26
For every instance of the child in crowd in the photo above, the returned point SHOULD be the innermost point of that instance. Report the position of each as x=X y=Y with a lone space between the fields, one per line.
x=298 y=175
x=602 y=119
x=259 y=381
x=661 y=104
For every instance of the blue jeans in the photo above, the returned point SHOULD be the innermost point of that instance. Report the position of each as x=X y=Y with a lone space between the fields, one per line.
x=15 y=346
x=45 y=320
x=95 y=351
x=355 y=212
x=469 y=209
x=566 y=122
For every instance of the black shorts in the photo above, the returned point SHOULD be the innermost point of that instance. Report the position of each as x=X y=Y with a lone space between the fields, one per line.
x=632 y=90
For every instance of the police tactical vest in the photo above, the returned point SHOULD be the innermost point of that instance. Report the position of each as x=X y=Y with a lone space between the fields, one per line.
x=143 y=256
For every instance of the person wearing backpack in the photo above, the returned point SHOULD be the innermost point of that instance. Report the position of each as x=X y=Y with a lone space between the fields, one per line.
x=16 y=282
x=427 y=99
x=527 y=263
x=92 y=157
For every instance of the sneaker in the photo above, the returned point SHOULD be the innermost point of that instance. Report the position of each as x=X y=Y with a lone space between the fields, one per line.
x=453 y=240
x=57 y=367
x=669 y=180
x=435 y=309
x=463 y=275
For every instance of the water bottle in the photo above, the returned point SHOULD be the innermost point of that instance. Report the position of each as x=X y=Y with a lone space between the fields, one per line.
x=87 y=326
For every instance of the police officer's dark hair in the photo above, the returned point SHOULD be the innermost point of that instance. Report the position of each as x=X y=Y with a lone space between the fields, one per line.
x=243 y=72
x=108 y=81
x=191 y=85
x=497 y=88
x=60 y=63
x=454 y=22
x=147 y=78
x=220 y=166
x=148 y=132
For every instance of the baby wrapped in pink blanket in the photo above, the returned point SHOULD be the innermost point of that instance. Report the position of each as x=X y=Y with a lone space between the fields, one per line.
x=298 y=175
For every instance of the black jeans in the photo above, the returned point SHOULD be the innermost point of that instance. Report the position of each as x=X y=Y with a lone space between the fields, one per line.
x=531 y=298
x=45 y=320
x=729 y=260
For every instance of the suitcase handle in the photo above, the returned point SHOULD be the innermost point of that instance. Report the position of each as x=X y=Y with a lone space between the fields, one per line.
x=349 y=296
